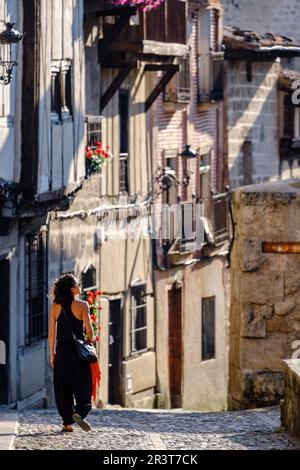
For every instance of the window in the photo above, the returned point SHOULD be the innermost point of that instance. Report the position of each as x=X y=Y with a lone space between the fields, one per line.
x=61 y=90
x=208 y=328
x=94 y=129
x=138 y=318
x=179 y=88
x=124 y=140
x=210 y=60
x=89 y=278
x=35 y=288
x=247 y=162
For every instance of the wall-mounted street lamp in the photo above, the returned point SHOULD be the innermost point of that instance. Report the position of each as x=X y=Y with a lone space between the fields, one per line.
x=188 y=152
x=8 y=53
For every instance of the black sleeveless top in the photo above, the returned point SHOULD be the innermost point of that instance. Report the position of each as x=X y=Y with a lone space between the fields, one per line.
x=63 y=332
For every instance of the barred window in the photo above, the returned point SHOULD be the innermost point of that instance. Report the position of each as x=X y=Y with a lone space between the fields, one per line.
x=138 y=318
x=94 y=129
x=124 y=140
x=35 y=287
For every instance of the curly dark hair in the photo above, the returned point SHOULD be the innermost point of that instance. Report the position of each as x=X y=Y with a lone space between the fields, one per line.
x=61 y=290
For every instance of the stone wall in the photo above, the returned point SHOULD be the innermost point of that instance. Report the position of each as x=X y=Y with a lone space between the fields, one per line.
x=265 y=294
x=290 y=408
x=278 y=16
x=253 y=117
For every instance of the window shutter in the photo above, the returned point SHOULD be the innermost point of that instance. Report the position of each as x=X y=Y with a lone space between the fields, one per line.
x=217 y=67
x=204 y=48
x=183 y=80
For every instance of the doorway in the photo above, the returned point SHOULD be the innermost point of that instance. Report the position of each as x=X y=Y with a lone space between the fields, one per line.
x=175 y=347
x=4 y=331
x=115 y=341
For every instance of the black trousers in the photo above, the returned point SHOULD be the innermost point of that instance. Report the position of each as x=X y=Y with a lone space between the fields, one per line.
x=72 y=380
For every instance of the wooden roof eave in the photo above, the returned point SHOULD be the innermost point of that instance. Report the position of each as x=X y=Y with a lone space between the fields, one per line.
x=261 y=53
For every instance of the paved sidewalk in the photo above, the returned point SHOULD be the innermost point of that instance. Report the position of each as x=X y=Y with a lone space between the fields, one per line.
x=8 y=428
x=126 y=429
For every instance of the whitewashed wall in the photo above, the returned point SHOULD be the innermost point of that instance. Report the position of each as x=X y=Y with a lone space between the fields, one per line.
x=10 y=111
x=61 y=142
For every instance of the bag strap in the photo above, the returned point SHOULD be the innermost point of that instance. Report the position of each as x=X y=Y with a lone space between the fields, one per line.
x=68 y=321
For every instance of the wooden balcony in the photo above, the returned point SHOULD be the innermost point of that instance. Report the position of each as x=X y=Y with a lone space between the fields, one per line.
x=128 y=32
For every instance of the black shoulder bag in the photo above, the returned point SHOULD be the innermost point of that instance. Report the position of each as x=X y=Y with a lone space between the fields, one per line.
x=86 y=351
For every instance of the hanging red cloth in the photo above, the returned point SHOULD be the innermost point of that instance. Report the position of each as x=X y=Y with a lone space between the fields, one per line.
x=96 y=377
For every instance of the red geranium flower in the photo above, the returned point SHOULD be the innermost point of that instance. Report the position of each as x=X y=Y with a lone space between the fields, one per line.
x=97 y=338
x=90 y=300
x=93 y=317
x=98 y=143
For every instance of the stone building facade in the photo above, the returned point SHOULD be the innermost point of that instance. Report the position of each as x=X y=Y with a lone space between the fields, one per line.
x=277 y=16
x=192 y=284
x=264 y=315
x=254 y=105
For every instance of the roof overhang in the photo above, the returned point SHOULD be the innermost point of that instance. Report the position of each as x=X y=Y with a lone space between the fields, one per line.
x=261 y=53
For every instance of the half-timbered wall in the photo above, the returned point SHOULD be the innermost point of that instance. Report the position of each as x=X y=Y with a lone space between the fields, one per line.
x=10 y=102
x=61 y=111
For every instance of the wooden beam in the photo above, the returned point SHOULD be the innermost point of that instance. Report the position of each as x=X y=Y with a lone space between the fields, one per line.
x=116 y=83
x=172 y=69
x=158 y=67
x=105 y=8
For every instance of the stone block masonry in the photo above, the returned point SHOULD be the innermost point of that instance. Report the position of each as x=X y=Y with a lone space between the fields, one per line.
x=290 y=407
x=265 y=294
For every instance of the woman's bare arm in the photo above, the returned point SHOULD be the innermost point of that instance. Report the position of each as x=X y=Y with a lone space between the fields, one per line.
x=87 y=322
x=52 y=330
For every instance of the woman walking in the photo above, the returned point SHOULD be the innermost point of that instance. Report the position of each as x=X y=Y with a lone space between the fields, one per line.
x=72 y=376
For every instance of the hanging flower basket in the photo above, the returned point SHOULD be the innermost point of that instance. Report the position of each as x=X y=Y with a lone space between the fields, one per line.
x=92 y=298
x=96 y=156
x=146 y=5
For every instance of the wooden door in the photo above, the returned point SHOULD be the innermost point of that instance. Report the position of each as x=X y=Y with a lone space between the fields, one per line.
x=175 y=347
x=115 y=353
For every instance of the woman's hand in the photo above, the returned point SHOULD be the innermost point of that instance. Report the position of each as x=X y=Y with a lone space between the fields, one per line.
x=52 y=359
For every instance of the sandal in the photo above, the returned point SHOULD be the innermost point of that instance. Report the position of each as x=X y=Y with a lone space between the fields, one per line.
x=67 y=428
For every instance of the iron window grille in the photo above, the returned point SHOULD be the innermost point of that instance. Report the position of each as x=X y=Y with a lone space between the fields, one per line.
x=36 y=318
x=138 y=312
x=93 y=129
x=124 y=174
x=208 y=328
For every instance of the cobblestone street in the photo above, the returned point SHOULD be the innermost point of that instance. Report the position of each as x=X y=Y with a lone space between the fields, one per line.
x=120 y=429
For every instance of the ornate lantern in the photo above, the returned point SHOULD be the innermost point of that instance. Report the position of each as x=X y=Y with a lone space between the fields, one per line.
x=8 y=53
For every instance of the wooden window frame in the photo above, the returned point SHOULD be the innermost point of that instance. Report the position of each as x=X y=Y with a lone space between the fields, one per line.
x=134 y=331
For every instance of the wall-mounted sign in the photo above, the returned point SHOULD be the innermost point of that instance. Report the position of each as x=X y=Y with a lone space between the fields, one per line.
x=281 y=247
